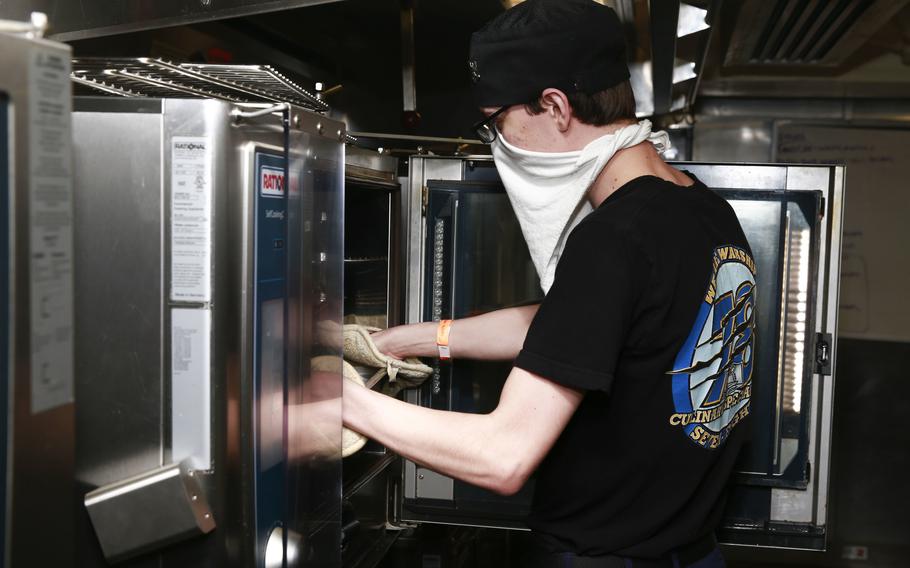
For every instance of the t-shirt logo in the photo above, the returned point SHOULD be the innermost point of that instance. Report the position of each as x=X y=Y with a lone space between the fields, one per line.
x=712 y=374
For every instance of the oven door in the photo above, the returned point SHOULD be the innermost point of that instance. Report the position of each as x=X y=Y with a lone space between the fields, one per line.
x=467 y=256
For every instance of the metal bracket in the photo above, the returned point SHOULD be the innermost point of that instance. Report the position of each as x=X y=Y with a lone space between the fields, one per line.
x=149 y=511
x=238 y=115
x=408 y=81
x=823 y=343
x=424 y=200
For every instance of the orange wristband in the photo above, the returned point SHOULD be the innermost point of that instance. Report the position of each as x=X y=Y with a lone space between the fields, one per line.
x=442 y=339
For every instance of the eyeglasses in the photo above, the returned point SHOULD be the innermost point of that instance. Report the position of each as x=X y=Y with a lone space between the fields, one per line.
x=486 y=128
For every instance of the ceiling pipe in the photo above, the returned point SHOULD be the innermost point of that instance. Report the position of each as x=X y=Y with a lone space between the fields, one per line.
x=410 y=118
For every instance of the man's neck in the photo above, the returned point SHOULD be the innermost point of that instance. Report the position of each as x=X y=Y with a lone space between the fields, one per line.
x=628 y=164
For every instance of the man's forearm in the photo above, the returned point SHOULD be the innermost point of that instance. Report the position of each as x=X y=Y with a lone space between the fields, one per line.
x=494 y=336
x=498 y=451
x=451 y=443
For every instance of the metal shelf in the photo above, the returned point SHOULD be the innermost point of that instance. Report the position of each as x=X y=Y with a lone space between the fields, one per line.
x=147 y=77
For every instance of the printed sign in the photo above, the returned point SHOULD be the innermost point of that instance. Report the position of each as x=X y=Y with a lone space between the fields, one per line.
x=50 y=230
x=271 y=182
x=191 y=387
x=191 y=219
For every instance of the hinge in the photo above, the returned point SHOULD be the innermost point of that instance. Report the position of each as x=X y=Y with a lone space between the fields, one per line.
x=424 y=200
x=823 y=353
x=400 y=526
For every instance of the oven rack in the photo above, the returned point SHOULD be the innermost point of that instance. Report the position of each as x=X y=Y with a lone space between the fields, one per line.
x=149 y=77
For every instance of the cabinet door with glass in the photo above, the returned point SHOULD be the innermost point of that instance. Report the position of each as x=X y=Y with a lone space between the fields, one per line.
x=466 y=256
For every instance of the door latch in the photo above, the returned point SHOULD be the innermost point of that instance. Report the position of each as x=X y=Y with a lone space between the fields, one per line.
x=823 y=353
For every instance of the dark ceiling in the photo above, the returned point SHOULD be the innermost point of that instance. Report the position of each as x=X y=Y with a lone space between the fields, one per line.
x=357 y=44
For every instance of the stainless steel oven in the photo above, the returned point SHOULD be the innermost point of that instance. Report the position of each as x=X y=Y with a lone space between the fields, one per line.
x=36 y=303
x=466 y=256
x=209 y=240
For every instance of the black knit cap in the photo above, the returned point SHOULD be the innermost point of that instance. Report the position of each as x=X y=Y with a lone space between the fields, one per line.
x=571 y=45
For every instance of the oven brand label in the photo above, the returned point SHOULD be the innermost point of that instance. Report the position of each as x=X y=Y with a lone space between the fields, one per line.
x=271 y=182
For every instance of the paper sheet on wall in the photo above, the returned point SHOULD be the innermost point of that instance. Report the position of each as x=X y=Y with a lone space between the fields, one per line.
x=191 y=219
x=875 y=265
x=191 y=387
x=51 y=230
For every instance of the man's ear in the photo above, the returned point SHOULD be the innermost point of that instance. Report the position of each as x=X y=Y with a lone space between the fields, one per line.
x=556 y=105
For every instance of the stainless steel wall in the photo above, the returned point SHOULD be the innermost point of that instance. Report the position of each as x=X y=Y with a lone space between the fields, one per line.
x=119 y=300
x=745 y=130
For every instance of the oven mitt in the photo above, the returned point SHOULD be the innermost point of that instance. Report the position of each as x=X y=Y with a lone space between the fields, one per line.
x=392 y=388
x=359 y=348
x=351 y=441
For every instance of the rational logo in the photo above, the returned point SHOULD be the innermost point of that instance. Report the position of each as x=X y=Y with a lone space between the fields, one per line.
x=271 y=182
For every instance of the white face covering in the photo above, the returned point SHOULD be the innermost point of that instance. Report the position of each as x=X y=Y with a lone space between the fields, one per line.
x=548 y=189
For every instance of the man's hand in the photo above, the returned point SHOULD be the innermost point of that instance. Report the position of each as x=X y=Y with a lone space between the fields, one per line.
x=494 y=336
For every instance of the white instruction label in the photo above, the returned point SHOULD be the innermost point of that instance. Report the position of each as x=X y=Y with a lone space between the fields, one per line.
x=191 y=387
x=51 y=229
x=191 y=219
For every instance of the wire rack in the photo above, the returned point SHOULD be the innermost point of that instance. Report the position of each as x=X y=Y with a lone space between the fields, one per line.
x=147 y=77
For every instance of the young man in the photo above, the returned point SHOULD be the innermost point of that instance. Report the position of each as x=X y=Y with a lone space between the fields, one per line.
x=632 y=380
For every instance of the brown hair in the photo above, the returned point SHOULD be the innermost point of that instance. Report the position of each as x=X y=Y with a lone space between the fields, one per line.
x=598 y=109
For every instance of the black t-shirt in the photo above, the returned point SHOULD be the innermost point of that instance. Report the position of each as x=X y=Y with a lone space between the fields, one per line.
x=652 y=314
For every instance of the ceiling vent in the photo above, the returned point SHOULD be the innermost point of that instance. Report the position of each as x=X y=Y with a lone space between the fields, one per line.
x=805 y=32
